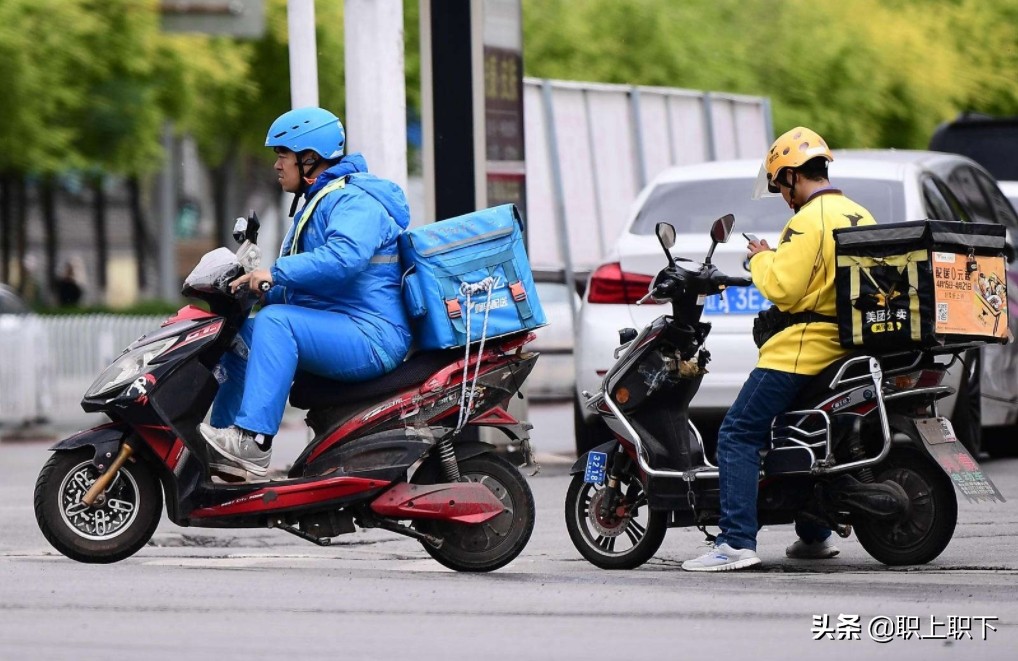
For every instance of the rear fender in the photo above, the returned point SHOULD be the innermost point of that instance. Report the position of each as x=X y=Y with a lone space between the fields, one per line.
x=105 y=440
x=581 y=463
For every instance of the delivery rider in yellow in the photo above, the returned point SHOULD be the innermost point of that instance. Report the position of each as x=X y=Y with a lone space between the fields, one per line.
x=798 y=338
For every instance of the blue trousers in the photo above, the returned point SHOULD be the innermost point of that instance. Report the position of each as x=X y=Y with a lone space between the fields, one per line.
x=744 y=433
x=281 y=339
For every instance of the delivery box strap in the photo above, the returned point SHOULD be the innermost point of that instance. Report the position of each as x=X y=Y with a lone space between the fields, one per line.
x=900 y=259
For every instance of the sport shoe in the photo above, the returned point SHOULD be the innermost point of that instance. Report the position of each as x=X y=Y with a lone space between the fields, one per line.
x=723 y=558
x=802 y=550
x=235 y=453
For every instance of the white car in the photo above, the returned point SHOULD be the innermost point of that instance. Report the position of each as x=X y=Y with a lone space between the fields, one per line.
x=894 y=185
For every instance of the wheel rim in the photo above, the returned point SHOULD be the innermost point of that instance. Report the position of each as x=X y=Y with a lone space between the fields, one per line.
x=489 y=534
x=912 y=529
x=623 y=529
x=110 y=516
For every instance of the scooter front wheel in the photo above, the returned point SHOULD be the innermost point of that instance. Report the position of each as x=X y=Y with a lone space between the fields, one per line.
x=494 y=543
x=623 y=538
x=120 y=522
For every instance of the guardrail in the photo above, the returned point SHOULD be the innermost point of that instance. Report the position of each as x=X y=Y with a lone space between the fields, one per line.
x=47 y=363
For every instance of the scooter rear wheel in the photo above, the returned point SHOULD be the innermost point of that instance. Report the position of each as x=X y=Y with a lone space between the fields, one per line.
x=120 y=522
x=494 y=543
x=627 y=538
x=927 y=530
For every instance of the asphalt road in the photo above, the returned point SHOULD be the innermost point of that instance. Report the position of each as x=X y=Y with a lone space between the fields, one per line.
x=260 y=594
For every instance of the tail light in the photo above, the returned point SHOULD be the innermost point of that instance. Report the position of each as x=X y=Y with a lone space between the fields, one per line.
x=918 y=379
x=610 y=284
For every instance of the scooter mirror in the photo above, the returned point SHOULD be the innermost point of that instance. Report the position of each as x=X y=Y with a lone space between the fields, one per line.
x=719 y=233
x=722 y=228
x=251 y=233
x=240 y=230
x=666 y=236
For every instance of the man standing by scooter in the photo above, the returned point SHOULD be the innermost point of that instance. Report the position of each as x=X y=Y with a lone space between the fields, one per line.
x=798 y=338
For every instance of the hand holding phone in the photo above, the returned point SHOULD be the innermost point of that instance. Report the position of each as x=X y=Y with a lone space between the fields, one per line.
x=751 y=237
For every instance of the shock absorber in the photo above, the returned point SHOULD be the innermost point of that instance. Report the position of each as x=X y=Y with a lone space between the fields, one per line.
x=856 y=453
x=447 y=454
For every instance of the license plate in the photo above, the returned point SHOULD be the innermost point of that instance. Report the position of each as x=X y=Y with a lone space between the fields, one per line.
x=967 y=476
x=597 y=465
x=736 y=300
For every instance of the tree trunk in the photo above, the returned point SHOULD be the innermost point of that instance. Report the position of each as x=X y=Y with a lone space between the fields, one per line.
x=21 y=235
x=6 y=227
x=143 y=249
x=99 y=226
x=49 y=223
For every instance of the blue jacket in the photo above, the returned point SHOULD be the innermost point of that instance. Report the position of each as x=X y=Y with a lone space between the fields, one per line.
x=347 y=260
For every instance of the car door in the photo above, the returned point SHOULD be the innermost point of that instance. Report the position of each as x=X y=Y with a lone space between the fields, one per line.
x=980 y=194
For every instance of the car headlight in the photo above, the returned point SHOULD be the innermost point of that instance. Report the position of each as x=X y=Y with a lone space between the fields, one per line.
x=128 y=367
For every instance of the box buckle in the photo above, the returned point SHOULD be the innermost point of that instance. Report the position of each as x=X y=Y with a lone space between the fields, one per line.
x=453 y=309
x=518 y=292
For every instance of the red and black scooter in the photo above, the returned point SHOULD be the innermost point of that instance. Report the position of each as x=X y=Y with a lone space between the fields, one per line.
x=386 y=453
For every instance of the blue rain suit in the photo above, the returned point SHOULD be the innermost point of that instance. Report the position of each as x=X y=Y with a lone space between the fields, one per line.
x=335 y=307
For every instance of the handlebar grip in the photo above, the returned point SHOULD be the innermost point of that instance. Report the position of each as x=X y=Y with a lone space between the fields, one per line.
x=264 y=286
x=736 y=282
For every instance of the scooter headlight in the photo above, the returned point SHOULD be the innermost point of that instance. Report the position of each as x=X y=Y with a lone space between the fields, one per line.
x=128 y=367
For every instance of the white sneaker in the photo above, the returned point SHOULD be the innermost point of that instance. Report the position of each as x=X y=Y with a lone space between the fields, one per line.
x=235 y=453
x=801 y=550
x=723 y=558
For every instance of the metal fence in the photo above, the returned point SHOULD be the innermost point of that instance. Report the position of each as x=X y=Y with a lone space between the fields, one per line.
x=592 y=147
x=47 y=363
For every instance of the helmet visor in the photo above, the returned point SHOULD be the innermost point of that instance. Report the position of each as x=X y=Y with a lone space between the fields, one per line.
x=764 y=187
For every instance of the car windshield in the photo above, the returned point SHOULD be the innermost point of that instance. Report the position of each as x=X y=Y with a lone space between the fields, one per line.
x=691 y=206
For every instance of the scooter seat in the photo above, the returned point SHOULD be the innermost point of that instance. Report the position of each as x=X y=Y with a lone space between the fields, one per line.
x=311 y=391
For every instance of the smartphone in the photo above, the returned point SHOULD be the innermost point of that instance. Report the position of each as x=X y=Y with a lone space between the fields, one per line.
x=751 y=237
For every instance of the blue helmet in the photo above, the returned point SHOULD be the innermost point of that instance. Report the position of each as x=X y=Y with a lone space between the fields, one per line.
x=316 y=129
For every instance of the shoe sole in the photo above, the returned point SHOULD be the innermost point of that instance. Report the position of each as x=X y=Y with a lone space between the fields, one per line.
x=731 y=566
x=818 y=556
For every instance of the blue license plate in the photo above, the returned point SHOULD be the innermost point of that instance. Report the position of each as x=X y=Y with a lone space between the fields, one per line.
x=736 y=300
x=597 y=465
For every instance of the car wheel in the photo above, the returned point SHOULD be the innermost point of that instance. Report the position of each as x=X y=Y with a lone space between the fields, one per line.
x=588 y=435
x=967 y=419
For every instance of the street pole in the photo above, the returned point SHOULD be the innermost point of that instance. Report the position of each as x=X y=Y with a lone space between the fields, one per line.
x=300 y=20
x=169 y=288
x=376 y=86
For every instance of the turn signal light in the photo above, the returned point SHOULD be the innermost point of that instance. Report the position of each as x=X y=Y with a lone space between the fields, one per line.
x=610 y=284
x=919 y=379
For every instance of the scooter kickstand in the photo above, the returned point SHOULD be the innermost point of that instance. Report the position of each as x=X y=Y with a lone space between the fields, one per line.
x=320 y=541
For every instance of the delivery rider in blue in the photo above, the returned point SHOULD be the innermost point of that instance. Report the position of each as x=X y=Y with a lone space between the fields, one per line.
x=334 y=306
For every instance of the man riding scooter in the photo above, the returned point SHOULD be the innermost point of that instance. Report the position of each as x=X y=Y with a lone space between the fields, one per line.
x=800 y=340
x=332 y=302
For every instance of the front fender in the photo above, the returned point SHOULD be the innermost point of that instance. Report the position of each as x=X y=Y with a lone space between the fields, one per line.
x=581 y=463
x=104 y=439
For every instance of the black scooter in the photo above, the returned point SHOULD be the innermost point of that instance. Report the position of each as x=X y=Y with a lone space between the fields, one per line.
x=864 y=448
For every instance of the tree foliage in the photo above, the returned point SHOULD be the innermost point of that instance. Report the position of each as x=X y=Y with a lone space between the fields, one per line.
x=866 y=73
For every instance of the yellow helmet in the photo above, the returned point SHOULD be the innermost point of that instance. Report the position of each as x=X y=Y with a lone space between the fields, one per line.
x=791 y=150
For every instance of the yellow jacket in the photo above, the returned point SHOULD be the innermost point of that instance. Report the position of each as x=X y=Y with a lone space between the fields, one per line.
x=798 y=276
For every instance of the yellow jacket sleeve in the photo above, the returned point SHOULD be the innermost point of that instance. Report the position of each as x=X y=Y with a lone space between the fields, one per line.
x=784 y=274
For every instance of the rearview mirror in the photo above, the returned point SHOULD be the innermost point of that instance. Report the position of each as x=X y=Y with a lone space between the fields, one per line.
x=240 y=230
x=666 y=236
x=719 y=233
x=722 y=228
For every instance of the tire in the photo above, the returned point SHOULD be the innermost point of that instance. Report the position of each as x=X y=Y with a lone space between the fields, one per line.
x=967 y=419
x=121 y=521
x=495 y=543
x=928 y=529
x=588 y=435
x=596 y=539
